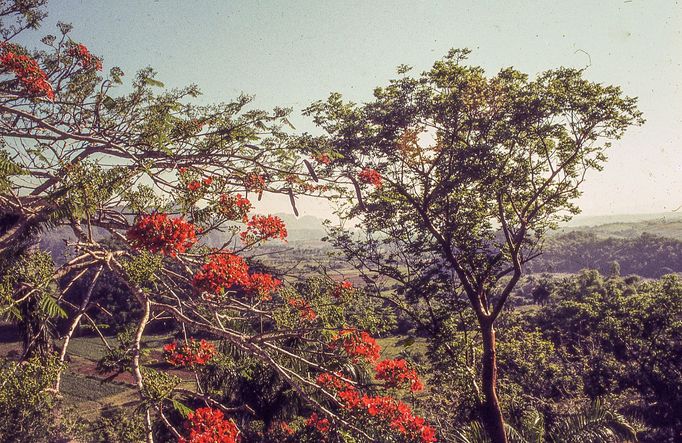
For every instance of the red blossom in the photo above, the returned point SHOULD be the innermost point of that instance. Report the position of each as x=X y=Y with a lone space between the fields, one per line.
x=81 y=53
x=263 y=285
x=234 y=207
x=357 y=345
x=396 y=414
x=159 y=233
x=193 y=185
x=396 y=373
x=193 y=353
x=207 y=181
x=254 y=182
x=321 y=424
x=262 y=227
x=222 y=272
x=208 y=425
x=306 y=312
x=29 y=74
x=399 y=417
x=371 y=176
x=342 y=287
x=323 y=158
x=333 y=381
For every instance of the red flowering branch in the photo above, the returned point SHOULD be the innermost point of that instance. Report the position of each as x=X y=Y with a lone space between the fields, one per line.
x=224 y=272
x=396 y=373
x=234 y=207
x=263 y=285
x=84 y=58
x=371 y=176
x=191 y=354
x=208 y=425
x=160 y=233
x=306 y=312
x=323 y=158
x=385 y=410
x=341 y=288
x=262 y=227
x=221 y=273
x=254 y=182
x=357 y=345
x=30 y=76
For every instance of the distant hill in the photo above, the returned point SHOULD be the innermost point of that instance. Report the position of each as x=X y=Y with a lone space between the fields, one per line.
x=667 y=225
x=597 y=220
x=649 y=245
x=306 y=228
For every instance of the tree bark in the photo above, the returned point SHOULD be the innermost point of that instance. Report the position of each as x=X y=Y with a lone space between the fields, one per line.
x=492 y=414
x=137 y=373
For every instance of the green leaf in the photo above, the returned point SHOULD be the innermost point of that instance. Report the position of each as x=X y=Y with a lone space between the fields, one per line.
x=50 y=306
x=109 y=103
x=153 y=82
x=181 y=408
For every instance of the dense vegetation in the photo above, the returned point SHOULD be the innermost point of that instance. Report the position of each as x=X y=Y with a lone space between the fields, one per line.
x=140 y=300
x=647 y=255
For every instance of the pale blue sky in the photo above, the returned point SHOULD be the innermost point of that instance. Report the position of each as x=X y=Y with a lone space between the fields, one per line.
x=292 y=53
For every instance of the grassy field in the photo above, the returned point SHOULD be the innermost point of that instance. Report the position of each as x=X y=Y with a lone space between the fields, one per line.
x=82 y=386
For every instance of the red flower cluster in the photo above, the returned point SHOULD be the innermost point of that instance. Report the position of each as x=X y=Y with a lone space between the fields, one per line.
x=195 y=185
x=357 y=344
x=85 y=59
x=254 y=182
x=399 y=417
x=321 y=424
x=341 y=288
x=396 y=373
x=208 y=425
x=262 y=227
x=305 y=311
x=263 y=285
x=234 y=207
x=194 y=353
x=397 y=414
x=333 y=381
x=159 y=233
x=222 y=272
x=29 y=74
x=371 y=176
x=323 y=158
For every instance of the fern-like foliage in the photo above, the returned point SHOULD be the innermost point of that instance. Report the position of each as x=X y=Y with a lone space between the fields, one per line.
x=596 y=424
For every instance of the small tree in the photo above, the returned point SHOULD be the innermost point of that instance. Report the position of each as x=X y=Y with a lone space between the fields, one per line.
x=458 y=177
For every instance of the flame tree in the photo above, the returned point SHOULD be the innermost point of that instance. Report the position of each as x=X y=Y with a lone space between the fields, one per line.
x=133 y=178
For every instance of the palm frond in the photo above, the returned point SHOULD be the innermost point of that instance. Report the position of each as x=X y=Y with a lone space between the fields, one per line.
x=596 y=424
x=475 y=433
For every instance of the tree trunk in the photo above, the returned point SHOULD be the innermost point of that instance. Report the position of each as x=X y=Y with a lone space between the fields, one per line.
x=492 y=414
